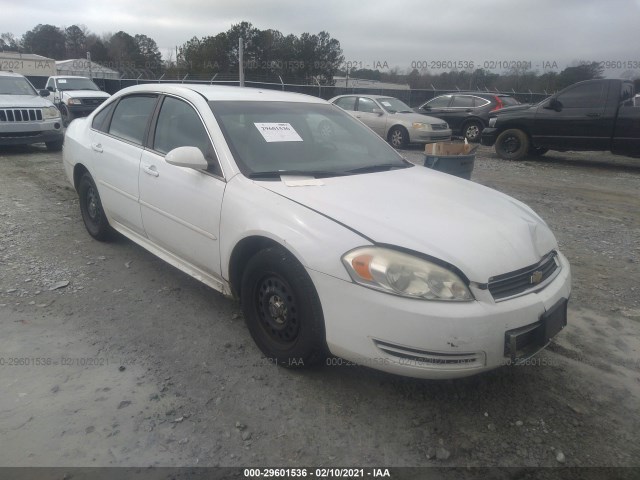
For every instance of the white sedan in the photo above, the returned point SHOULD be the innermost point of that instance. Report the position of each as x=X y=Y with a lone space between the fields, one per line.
x=333 y=243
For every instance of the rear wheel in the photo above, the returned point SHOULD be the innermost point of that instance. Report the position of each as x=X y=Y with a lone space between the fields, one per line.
x=282 y=309
x=93 y=214
x=512 y=144
x=398 y=137
x=471 y=131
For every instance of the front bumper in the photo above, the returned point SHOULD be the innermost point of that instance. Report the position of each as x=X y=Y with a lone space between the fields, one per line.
x=489 y=136
x=26 y=133
x=423 y=136
x=425 y=339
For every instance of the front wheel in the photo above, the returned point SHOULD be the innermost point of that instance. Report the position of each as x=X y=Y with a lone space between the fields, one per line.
x=512 y=144
x=398 y=137
x=93 y=214
x=282 y=309
x=55 y=145
x=67 y=116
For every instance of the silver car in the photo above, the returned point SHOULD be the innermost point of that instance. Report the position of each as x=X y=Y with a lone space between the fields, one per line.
x=393 y=119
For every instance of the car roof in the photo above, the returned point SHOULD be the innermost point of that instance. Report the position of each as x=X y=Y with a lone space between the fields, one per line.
x=4 y=73
x=220 y=92
x=370 y=95
x=67 y=76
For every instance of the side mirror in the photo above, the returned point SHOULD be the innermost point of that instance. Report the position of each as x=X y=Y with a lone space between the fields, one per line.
x=50 y=88
x=554 y=104
x=44 y=93
x=426 y=107
x=189 y=157
x=377 y=111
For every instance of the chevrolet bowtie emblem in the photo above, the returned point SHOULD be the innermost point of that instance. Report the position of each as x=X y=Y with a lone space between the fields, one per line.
x=536 y=277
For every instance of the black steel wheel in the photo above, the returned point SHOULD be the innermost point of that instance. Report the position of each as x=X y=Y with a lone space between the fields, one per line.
x=93 y=214
x=512 y=144
x=282 y=309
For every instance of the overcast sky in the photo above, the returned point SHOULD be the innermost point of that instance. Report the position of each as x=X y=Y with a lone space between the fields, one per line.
x=398 y=32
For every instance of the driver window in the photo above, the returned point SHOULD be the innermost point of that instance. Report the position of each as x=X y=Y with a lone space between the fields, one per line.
x=366 y=105
x=180 y=126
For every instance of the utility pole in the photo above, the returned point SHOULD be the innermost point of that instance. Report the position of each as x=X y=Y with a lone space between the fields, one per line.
x=241 y=60
x=89 y=60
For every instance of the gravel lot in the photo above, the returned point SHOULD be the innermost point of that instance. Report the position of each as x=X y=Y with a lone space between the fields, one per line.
x=110 y=357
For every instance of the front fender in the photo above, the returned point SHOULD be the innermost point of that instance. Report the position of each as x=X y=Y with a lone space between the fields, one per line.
x=316 y=241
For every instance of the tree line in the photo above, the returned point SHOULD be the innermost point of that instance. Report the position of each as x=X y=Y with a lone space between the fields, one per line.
x=267 y=53
x=270 y=55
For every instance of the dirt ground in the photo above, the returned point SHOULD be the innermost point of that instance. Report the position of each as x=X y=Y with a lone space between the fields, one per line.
x=110 y=357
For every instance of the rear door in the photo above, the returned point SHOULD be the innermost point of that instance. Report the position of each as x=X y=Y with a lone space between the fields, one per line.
x=579 y=122
x=117 y=136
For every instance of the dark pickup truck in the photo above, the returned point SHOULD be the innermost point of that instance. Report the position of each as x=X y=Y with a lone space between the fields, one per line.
x=589 y=115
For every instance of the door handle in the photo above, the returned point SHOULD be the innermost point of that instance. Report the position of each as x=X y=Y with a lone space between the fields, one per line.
x=151 y=170
x=593 y=115
x=96 y=147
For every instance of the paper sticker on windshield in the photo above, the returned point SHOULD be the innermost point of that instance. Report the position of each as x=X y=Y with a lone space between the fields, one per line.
x=62 y=80
x=278 y=132
x=386 y=104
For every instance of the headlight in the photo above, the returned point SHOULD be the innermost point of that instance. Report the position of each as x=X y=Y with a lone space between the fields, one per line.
x=74 y=101
x=404 y=274
x=492 y=121
x=50 y=112
x=421 y=126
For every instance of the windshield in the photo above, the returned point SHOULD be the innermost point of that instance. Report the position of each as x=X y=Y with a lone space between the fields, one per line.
x=272 y=138
x=393 y=105
x=76 y=84
x=16 y=86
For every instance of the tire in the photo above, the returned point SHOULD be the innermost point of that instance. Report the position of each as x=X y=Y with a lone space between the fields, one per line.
x=55 y=146
x=67 y=116
x=472 y=131
x=537 y=151
x=512 y=144
x=398 y=137
x=93 y=214
x=282 y=309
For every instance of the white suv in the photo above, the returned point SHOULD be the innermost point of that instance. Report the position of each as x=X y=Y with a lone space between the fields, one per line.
x=26 y=117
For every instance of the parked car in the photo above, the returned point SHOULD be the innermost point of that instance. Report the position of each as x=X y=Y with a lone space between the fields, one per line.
x=330 y=239
x=467 y=113
x=75 y=96
x=25 y=116
x=589 y=115
x=393 y=119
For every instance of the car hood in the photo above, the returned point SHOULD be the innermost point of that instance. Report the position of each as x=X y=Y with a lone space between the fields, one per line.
x=479 y=230
x=514 y=108
x=28 y=101
x=86 y=93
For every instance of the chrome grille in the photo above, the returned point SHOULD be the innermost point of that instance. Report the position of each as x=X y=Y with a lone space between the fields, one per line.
x=20 y=114
x=439 y=126
x=526 y=279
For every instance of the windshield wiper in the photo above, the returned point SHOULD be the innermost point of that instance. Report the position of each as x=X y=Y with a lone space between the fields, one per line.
x=378 y=168
x=299 y=173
